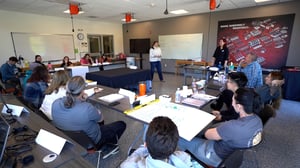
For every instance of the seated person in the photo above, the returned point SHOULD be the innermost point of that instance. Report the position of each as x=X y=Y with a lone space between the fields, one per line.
x=36 y=85
x=244 y=132
x=56 y=89
x=66 y=62
x=159 y=150
x=37 y=62
x=73 y=113
x=270 y=92
x=86 y=60
x=9 y=73
x=252 y=70
x=235 y=80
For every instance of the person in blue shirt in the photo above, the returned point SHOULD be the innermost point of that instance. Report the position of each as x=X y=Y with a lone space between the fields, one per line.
x=9 y=73
x=159 y=150
x=223 y=140
x=36 y=85
x=252 y=70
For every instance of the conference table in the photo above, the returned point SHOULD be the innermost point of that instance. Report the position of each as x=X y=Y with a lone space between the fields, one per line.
x=119 y=78
x=123 y=106
x=70 y=156
x=291 y=87
x=195 y=71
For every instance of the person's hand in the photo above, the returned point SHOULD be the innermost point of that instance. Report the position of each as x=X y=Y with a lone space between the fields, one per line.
x=243 y=61
x=96 y=90
x=217 y=114
x=84 y=97
x=277 y=82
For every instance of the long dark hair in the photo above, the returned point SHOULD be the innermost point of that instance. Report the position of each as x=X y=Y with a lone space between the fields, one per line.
x=39 y=73
x=249 y=99
x=239 y=78
x=74 y=88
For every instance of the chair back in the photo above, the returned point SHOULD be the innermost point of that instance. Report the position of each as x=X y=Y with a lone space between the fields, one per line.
x=81 y=138
x=267 y=113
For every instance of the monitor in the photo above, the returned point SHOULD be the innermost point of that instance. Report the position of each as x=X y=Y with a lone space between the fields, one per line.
x=139 y=45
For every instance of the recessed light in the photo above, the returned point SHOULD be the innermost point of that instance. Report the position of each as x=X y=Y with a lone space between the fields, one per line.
x=178 y=12
x=68 y=11
x=132 y=20
x=259 y=1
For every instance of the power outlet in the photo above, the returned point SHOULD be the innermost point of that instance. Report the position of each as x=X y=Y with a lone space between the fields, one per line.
x=165 y=65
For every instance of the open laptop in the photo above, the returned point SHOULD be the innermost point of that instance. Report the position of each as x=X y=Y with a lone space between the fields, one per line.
x=4 y=132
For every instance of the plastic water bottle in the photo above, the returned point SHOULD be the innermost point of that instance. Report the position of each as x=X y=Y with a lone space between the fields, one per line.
x=220 y=65
x=231 y=67
x=177 y=96
x=194 y=86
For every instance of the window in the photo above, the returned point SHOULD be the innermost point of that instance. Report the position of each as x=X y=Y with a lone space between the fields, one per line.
x=103 y=44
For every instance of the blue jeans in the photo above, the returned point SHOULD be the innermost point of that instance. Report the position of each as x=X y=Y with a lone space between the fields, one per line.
x=201 y=149
x=157 y=65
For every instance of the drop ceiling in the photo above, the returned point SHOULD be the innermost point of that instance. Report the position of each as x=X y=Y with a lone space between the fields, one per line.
x=114 y=10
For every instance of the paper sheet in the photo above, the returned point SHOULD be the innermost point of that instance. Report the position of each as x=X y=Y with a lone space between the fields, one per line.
x=190 y=121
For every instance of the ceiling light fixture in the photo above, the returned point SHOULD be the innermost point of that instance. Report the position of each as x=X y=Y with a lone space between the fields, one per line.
x=74 y=9
x=129 y=17
x=178 y=12
x=259 y=1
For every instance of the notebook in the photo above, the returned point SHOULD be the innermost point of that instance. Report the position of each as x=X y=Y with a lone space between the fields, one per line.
x=4 y=131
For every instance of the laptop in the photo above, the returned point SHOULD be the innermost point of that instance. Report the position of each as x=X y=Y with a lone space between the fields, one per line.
x=4 y=132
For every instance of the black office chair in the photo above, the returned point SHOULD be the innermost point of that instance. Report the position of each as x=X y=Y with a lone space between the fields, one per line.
x=83 y=140
x=267 y=112
x=6 y=87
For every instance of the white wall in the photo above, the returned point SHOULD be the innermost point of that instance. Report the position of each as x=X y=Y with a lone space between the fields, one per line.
x=31 y=23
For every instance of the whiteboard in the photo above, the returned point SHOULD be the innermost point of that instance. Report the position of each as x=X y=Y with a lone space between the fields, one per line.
x=182 y=46
x=50 y=46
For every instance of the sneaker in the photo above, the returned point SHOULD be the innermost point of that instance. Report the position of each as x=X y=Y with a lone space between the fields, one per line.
x=109 y=149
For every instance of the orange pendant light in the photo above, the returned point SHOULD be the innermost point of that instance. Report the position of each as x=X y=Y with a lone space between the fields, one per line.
x=212 y=4
x=74 y=10
x=128 y=17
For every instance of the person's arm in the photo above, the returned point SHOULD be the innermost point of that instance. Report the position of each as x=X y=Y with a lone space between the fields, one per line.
x=139 y=154
x=226 y=57
x=213 y=59
x=212 y=134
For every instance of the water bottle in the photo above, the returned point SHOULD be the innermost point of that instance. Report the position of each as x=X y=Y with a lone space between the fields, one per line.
x=226 y=69
x=194 y=86
x=177 y=96
x=220 y=65
x=231 y=67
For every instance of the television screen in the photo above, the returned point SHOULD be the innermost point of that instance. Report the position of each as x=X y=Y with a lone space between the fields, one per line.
x=139 y=45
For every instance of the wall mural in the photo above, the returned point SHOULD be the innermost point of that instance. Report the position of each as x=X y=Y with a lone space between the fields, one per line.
x=267 y=37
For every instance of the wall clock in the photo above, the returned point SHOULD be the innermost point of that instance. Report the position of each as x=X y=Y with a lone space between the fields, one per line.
x=80 y=36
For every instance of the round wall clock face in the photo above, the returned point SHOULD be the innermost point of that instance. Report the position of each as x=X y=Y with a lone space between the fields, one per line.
x=80 y=36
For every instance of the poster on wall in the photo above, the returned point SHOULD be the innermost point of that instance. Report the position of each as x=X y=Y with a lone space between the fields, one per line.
x=267 y=37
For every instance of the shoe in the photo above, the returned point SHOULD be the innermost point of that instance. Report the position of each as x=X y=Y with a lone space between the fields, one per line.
x=109 y=149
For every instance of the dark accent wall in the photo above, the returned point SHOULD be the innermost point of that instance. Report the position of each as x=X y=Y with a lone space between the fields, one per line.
x=207 y=24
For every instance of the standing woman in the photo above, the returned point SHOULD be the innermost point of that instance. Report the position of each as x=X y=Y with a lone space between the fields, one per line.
x=221 y=54
x=155 y=60
x=66 y=62
x=36 y=85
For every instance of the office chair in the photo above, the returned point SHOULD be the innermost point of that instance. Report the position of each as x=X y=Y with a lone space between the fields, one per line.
x=267 y=112
x=6 y=87
x=82 y=139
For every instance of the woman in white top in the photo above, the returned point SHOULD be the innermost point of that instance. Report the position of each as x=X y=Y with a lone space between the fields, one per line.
x=54 y=91
x=155 y=58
